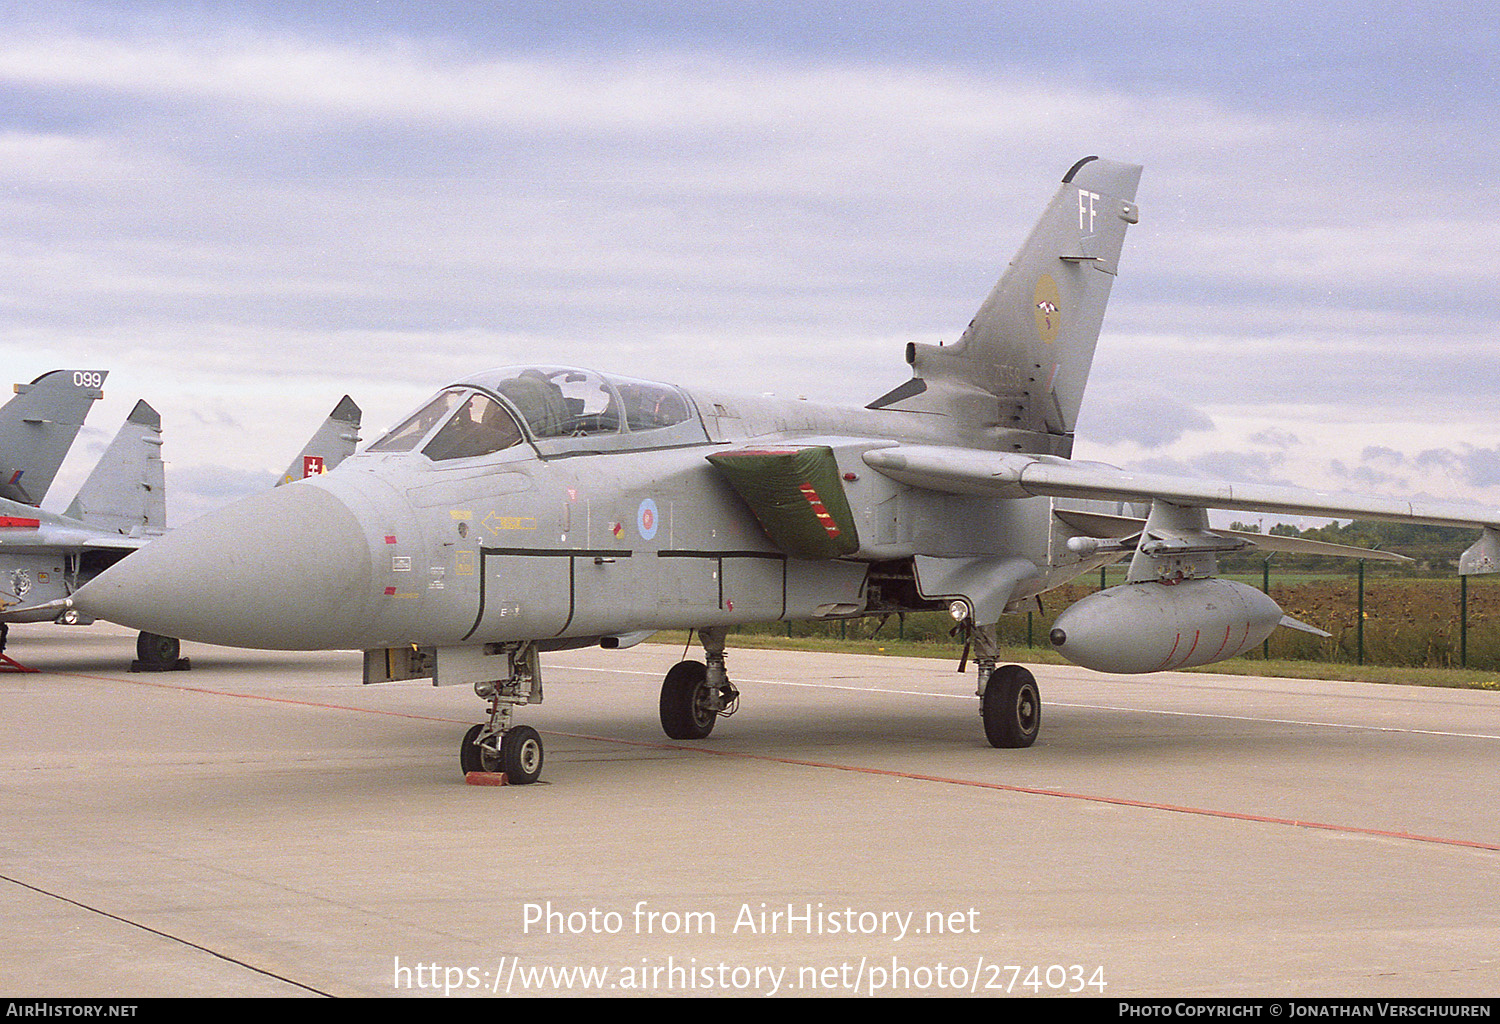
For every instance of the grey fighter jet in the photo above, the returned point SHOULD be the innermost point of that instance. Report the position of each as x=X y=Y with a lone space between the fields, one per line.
x=46 y=557
x=537 y=508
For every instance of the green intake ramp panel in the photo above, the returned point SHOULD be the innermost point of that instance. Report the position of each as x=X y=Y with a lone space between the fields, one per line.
x=796 y=495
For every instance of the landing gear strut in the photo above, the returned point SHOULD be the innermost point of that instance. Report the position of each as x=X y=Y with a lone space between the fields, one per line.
x=497 y=745
x=694 y=695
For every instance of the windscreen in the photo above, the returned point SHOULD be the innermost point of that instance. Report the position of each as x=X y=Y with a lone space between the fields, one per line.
x=481 y=426
x=405 y=436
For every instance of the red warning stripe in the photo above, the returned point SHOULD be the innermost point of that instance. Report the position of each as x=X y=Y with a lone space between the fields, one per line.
x=819 y=510
x=19 y=523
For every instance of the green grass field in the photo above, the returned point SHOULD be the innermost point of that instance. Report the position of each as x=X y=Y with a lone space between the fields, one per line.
x=1411 y=632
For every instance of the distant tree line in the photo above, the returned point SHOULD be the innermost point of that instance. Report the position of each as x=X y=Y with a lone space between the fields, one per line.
x=1435 y=549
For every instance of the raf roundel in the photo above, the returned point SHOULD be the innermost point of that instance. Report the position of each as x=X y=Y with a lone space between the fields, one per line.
x=646 y=519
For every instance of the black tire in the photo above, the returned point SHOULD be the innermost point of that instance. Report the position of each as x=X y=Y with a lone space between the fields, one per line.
x=685 y=714
x=521 y=755
x=1011 y=707
x=152 y=649
x=474 y=758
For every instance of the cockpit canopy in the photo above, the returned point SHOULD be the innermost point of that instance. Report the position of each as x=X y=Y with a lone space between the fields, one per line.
x=558 y=409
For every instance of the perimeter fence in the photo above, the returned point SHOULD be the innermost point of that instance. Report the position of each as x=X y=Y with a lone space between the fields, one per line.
x=1374 y=618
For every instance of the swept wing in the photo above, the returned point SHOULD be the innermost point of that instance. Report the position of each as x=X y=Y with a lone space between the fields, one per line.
x=1005 y=475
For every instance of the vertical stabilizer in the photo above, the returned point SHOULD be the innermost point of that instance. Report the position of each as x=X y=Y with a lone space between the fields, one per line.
x=334 y=442
x=127 y=492
x=1017 y=375
x=39 y=425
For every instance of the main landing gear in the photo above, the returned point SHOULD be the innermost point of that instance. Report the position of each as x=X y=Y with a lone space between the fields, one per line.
x=497 y=746
x=1010 y=704
x=694 y=695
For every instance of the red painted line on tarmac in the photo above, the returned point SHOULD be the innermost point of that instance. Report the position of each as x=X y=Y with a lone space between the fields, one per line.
x=1117 y=801
x=254 y=696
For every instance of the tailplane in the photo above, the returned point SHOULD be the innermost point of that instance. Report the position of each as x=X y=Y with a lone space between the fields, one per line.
x=1017 y=376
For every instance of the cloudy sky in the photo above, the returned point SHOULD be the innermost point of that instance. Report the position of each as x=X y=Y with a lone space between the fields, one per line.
x=245 y=211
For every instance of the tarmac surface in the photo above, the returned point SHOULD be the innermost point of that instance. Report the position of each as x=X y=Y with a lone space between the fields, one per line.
x=263 y=825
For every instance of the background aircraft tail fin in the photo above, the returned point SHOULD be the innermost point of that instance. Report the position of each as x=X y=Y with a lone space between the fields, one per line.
x=334 y=441
x=1018 y=373
x=127 y=491
x=39 y=425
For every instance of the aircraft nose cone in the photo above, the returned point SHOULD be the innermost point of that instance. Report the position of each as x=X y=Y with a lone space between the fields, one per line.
x=285 y=570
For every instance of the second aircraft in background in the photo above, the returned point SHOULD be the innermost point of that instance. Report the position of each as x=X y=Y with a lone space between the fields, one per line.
x=45 y=556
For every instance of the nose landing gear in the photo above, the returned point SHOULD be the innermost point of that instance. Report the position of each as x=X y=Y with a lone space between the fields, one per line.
x=516 y=753
x=497 y=746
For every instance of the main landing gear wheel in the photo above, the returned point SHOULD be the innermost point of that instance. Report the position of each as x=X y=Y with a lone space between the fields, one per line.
x=687 y=711
x=1011 y=707
x=155 y=653
x=153 y=649
x=519 y=756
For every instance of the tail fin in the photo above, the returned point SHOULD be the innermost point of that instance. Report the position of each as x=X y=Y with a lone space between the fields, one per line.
x=127 y=491
x=39 y=425
x=1018 y=373
x=333 y=443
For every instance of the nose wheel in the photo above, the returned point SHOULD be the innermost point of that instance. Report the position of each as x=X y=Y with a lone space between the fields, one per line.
x=497 y=746
x=517 y=753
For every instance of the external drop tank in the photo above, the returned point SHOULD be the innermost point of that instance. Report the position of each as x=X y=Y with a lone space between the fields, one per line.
x=1159 y=626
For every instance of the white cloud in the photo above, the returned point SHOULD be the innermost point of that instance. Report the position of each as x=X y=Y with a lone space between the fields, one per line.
x=226 y=212
x=1140 y=415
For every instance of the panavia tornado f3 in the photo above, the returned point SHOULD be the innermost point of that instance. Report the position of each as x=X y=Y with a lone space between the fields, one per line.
x=530 y=509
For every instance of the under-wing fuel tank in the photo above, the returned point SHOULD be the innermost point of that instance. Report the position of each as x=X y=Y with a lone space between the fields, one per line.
x=1157 y=627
